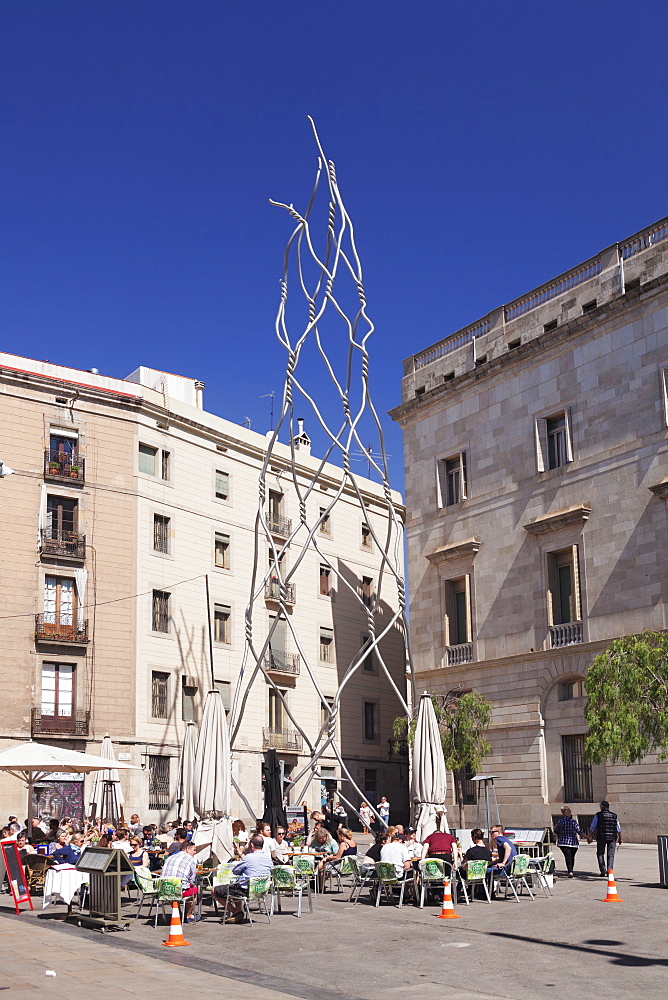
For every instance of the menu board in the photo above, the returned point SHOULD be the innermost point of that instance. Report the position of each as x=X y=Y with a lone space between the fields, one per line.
x=297 y=818
x=12 y=866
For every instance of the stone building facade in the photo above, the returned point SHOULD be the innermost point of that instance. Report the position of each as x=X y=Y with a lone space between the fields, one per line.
x=126 y=494
x=536 y=482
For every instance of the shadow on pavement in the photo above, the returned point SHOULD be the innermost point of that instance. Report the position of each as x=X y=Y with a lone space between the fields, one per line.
x=617 y=959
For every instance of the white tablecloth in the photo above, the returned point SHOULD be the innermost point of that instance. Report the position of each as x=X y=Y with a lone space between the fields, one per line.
x=61 y=883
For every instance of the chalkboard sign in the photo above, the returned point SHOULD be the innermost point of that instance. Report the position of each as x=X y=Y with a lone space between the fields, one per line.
x=11 y=864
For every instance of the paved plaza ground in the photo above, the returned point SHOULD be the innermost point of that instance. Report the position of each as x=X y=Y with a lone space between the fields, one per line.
x=569 y=944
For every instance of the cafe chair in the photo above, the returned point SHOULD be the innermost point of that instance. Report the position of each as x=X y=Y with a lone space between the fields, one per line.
x=222 y=876
x=36 y=866
x=363 y=876
x=388 y=880
x=433 y=873
x=285 y=883
x=476 y=874
x=306 y=867
x=147 y=888
x=259 y=888
x=169 y=891
x=517 y=878
x=539 y=869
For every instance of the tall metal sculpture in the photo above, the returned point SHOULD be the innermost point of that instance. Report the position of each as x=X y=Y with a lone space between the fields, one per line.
x=330 y=292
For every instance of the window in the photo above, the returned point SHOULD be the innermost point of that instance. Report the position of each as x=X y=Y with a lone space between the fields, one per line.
x=160 y=611
x=278 y=643
x=563 y=586
x=370 y=783
x=58 y=690
x=568 y=690
x=325 y=522
x=367 y=662
x=326 y=644
x=367 y=540
x=165 y=462
x=160 y=533
x=324 y=713
x=664 y=389
x=554 y=442
x=188 y=695
x=371 y=721
x=63 y=446
x=222 y=551
x=224 y=689
x=147 y=459
x=325 y=580
x=159 y=694
x=222 y=616
x=61 y=517
x=276 y=711
x=452 y=485
x=457 y=611
x=275 y=504
x=60 y=600
x=577 y=772
x=222 y=485
x=158 y=782
x=464 y=781
x=366 y=591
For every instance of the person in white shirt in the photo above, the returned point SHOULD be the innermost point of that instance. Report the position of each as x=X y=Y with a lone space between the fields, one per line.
x=412 y=846
x=383 y=809
x=122 y=842
x=281 y=853
x=396 y=853
x=264 y=830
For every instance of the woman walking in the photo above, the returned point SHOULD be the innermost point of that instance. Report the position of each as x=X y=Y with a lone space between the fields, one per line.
x=568 y=837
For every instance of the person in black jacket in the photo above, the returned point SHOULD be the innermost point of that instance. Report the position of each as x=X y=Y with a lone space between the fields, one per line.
x=605 y=827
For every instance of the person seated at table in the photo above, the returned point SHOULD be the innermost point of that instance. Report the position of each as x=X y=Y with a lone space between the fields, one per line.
x=413 y=846
x=61 y=839
x=239 y=834
x=347 y=846
x=375 y=850
x=134 y=826
x=322 y=842
x=180 y=840
x=281 y=852
x=181 y=864
x=68 y=854
x=395 y=853
x=263 y=830
x=121 y=841
x=253 y=864
x=138 y=856
x=441 y=844
x=506 y=851
x=23 y=846
x=479 y=851
x=400 y=830
x=188 y=827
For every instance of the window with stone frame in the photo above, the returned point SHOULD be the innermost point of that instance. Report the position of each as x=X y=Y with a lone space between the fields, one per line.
x=554 y=441
x=452 y=480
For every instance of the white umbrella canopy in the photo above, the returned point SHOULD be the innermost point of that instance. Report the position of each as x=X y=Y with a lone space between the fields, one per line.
x=428 y=779
x=184 y=781
x=212 y=780
x=106 y=795
x=30 y=762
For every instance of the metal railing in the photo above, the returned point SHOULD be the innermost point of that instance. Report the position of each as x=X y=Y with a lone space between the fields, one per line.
x=565 y=635
x=63 y=543
x=584 y=272
x=75 y=724
x=398 y=747
x=452 y=343
x=279 y=525
x=282 y=662
x=281 y=739
x=272 y=591
x=461 y=653
x=60 y=465
x=644 y=240
x=49 y=630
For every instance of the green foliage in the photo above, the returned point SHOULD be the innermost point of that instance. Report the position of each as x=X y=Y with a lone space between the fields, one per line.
x=462 y=721
x=627 y=708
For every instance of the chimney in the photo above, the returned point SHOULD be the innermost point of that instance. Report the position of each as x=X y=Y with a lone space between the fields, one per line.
x=199 y=395
x=301 y=439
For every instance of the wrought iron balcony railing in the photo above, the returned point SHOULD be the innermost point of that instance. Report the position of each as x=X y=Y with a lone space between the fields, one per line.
x=462 y=653
x=566 y=635
x=76 y=724
x=63 y=543
x=272 y=591
x=47 y=629
x=398 y=748
x=281 y=739
x=282 y=662
x=279 y=525
x=60 y=465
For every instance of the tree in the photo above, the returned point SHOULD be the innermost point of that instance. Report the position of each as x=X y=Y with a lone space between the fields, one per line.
x=463 y=718
x=627 y=707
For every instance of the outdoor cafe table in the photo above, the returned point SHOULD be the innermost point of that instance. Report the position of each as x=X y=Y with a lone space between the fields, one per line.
x=61 y=883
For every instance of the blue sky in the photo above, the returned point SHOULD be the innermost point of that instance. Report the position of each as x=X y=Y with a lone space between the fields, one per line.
x=481 y=149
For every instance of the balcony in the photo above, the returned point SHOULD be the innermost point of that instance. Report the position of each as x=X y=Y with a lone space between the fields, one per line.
x=398 y=749
x=70 y=633
x=462 y=653
x=567 y=634
x=61 y=466
x=272 y=591
x=281 y=739
x=67 y=544
x=280 y=662
x=76 y=724
x=279 y=525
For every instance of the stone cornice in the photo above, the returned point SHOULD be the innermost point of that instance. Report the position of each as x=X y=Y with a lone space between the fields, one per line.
x=661 y=489
x=454 y=551
x=559 y=519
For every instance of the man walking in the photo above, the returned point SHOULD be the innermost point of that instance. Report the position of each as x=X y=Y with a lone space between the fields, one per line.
x=605 y=827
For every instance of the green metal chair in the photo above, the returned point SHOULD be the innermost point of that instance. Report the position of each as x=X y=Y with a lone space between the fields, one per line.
x=306 y=867
x=147 y=888
x=388 y=880
x=222 y=875
x=285 y=883
x=433 y=873
x=170 y=890
x=363 y=876
x=517 y=877
x=259 y=887
x=541 y=868
x=476 y=874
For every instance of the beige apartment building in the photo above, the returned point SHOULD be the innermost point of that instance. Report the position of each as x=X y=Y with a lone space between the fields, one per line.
x=126 y=495
x=536 y=485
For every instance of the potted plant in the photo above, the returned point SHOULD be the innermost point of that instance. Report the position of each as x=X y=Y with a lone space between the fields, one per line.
x=53 y=467
x=74 y=472
x=298 y=840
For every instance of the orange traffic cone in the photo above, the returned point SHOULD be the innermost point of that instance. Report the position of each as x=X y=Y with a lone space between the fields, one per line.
x=176 y=938
x=447 y=910
x=612 y=896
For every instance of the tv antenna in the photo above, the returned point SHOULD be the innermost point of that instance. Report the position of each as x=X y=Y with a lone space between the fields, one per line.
x=368 y=455
x=270 y=395
x=248 y=422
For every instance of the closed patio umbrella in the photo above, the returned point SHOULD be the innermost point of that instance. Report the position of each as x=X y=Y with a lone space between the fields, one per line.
x=106 y=795
x=31 y=762
x=274 y=811
x=428 y=780
x=212 y=780
x=184 y=781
